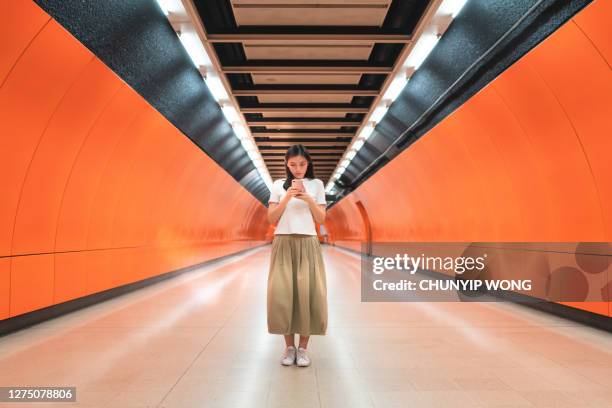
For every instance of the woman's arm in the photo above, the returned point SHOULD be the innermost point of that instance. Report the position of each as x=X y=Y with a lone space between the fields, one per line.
x=318 y=211
x=275 y=210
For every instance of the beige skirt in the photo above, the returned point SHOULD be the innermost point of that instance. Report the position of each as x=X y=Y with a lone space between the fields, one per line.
x=297 y=287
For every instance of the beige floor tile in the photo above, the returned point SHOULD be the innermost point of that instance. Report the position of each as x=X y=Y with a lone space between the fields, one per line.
x=396 y=399
x=499 y=398
x=552 y=399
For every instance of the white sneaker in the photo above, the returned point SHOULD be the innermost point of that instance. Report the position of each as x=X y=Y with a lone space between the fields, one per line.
x=288 y=356
x=302 y=358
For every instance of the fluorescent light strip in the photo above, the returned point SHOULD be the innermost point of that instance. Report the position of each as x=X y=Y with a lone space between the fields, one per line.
x=216 y=88
x=248 y=144
x=425 y=44
x=452 y=7
x=421 y=50
x=379 y=113
x=396 y=87
x=366 y=132
x=230 y=113
x=241 y=132
x=358 y=143
x=169 y=6
x=350 y=154
x=194 y=48
x=190 y=40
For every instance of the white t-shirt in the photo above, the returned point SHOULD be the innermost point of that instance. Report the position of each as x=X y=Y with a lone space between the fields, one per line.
x=297 y=218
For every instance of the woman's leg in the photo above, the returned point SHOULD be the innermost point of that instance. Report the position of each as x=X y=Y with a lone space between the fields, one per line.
x=302 y=358
x=289 y=340
x=304 y=341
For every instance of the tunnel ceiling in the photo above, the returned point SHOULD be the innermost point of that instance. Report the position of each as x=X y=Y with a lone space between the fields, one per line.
x=307 y=71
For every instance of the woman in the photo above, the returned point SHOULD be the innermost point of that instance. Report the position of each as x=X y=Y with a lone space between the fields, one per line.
x=297 y=288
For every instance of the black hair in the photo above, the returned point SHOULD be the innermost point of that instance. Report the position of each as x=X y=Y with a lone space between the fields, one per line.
x=297 y=150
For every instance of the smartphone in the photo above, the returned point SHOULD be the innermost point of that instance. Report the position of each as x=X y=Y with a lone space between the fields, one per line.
x=298 y=183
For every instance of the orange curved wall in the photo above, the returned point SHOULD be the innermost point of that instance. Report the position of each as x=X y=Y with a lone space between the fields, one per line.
x=99 y=189
x=528 y=158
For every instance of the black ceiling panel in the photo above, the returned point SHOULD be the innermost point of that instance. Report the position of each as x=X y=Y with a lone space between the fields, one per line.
x=216 y=15
x=404 y=15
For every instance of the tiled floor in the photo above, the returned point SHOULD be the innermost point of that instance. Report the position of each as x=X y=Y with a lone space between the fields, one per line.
x=201 y=340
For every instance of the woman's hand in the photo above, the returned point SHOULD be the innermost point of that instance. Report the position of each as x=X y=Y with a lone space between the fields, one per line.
x=317 y=210
x=292 y=192
x=304 y=196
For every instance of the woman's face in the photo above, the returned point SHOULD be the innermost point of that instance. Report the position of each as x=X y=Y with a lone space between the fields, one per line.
x=298 y=166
